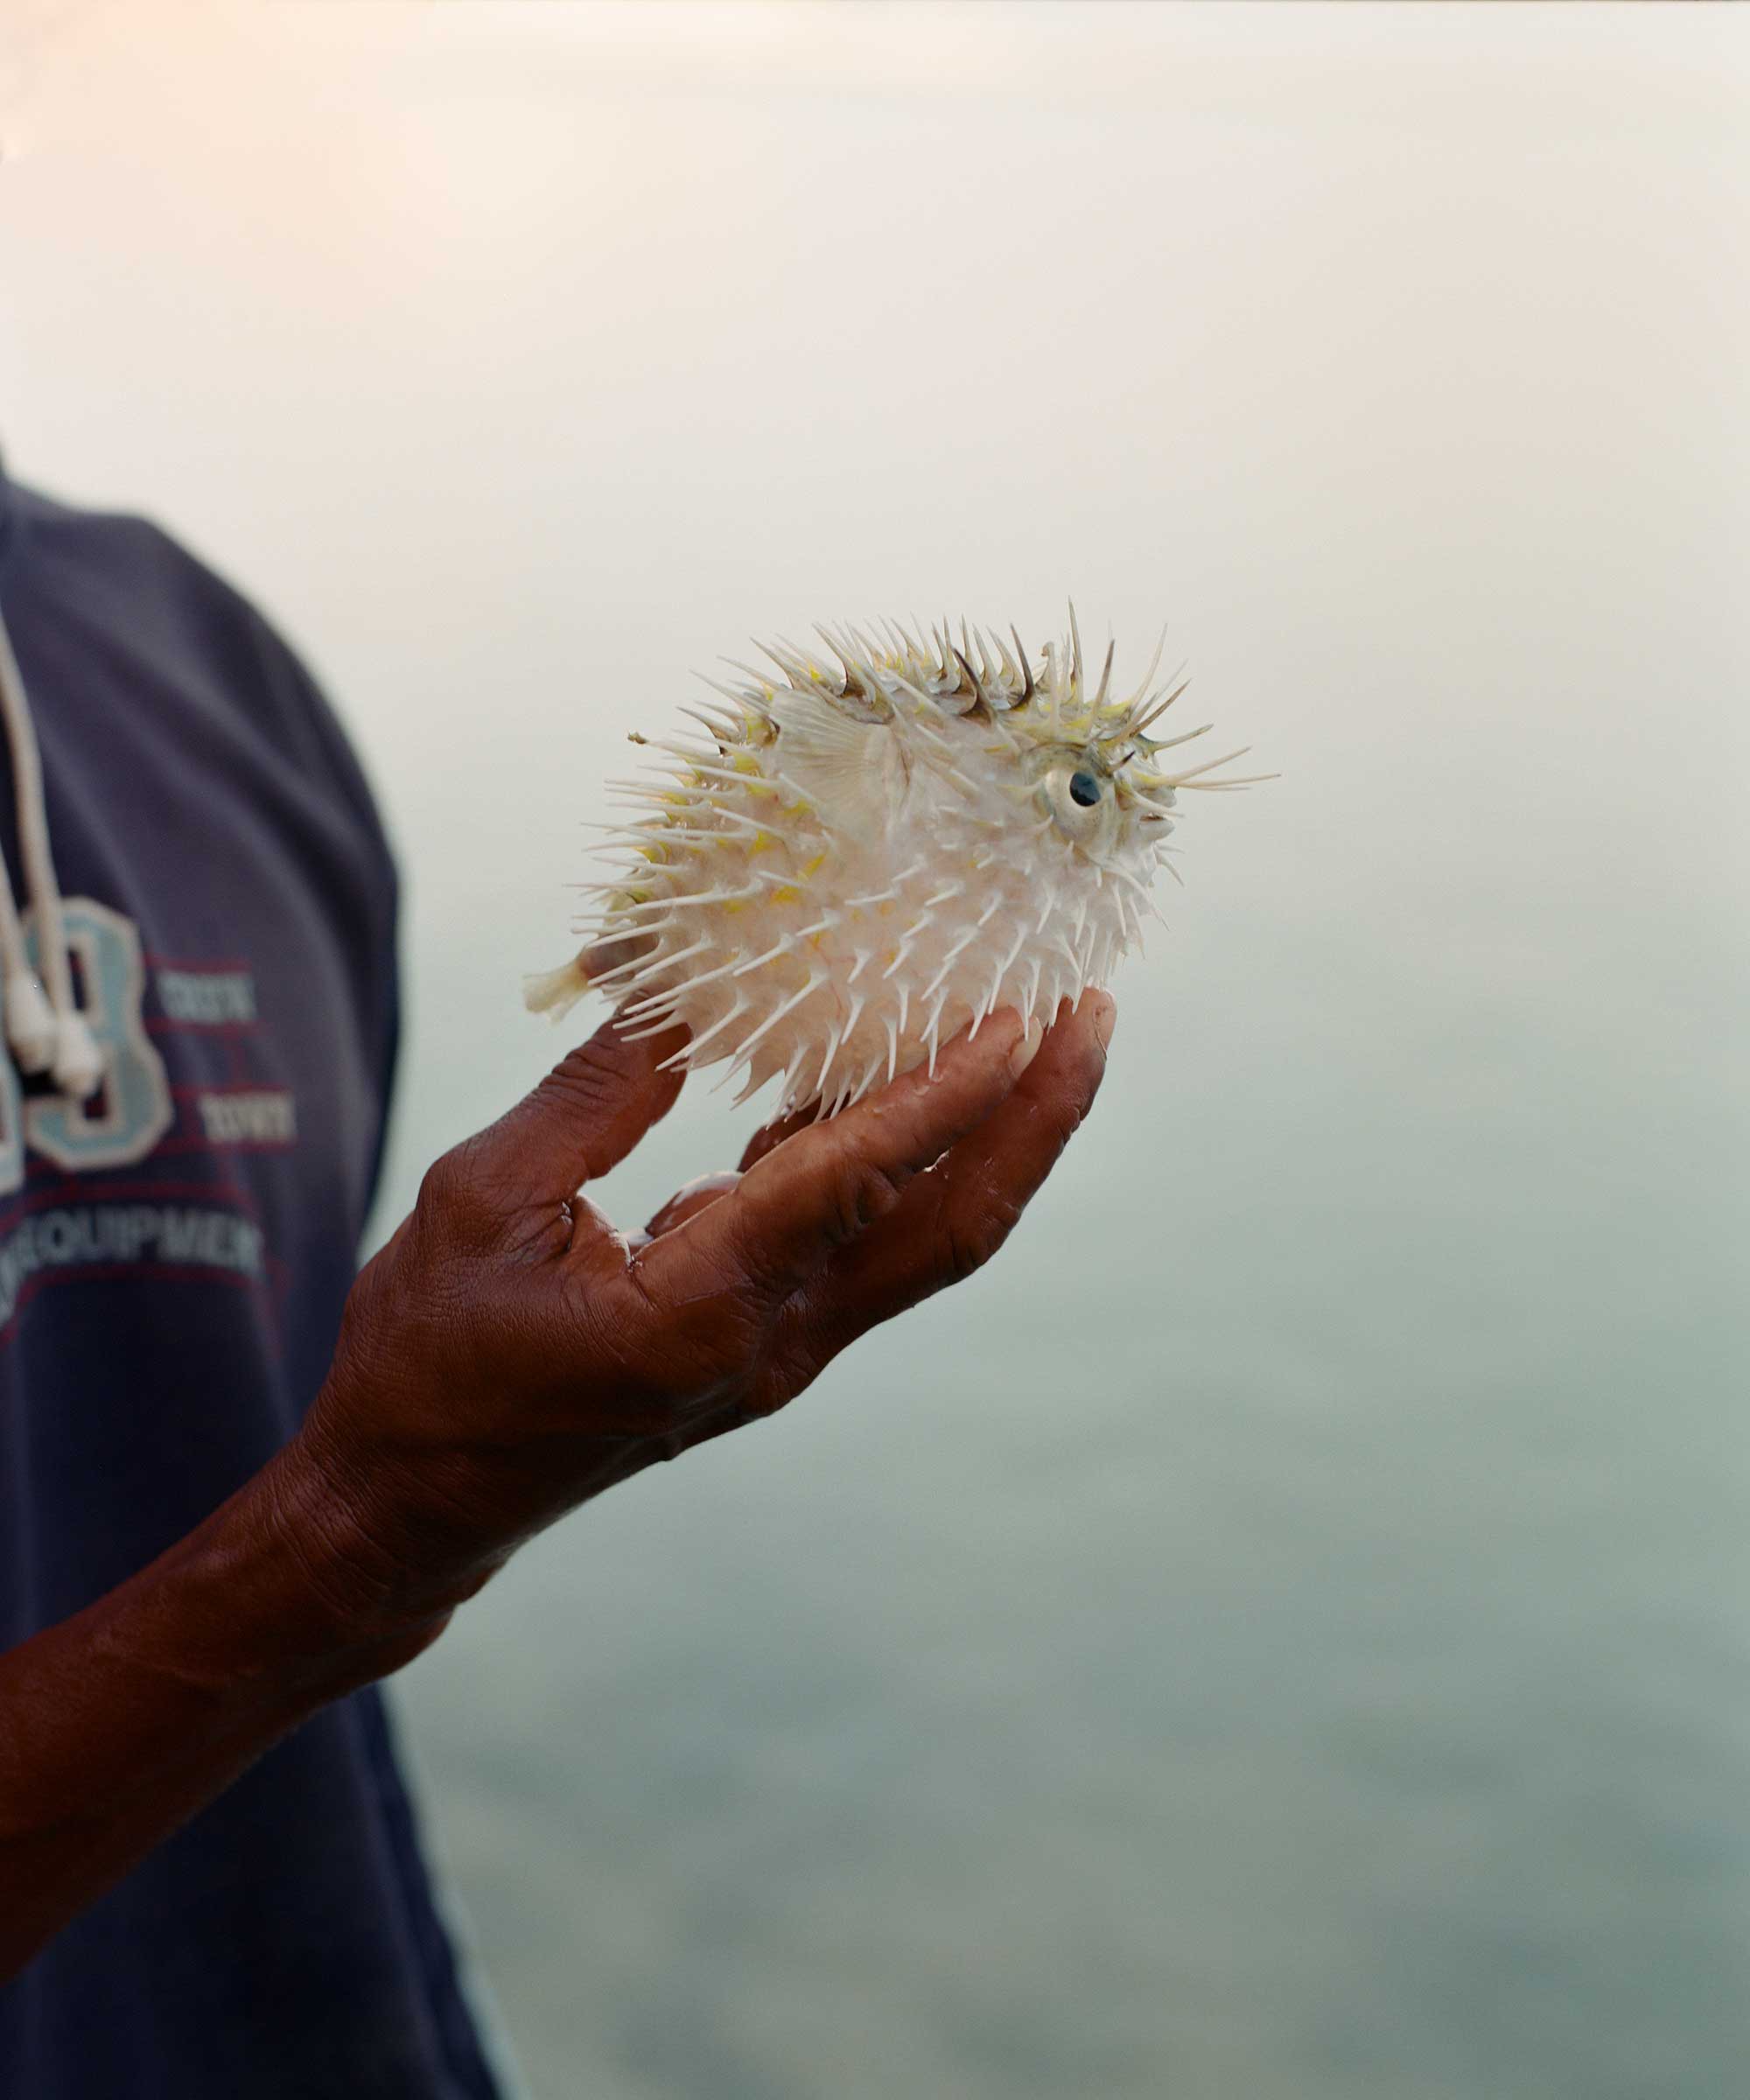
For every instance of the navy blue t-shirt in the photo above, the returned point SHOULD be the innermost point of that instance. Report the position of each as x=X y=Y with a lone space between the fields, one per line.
x=173 y=1256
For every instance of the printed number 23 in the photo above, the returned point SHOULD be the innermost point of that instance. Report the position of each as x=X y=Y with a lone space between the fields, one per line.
x=132 y=1110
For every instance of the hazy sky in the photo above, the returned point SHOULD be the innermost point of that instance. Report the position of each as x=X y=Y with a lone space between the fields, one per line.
x=525 y=358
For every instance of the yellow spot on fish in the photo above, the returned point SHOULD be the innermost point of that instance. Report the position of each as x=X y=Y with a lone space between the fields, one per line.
x=785 y=893
x=813 y=866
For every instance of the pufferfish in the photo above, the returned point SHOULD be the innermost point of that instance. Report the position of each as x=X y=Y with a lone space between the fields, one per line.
x=869 y=850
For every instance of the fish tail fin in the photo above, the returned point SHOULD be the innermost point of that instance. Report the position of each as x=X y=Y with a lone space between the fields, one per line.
x=553 y=992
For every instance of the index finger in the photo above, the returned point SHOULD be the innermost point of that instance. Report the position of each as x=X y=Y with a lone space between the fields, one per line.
x=583 y=1117
x=823 y=1184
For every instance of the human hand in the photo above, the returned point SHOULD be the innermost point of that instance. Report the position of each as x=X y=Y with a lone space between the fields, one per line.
x=508 y=1353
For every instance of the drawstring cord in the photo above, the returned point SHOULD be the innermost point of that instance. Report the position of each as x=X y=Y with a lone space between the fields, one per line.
x=46 y=1030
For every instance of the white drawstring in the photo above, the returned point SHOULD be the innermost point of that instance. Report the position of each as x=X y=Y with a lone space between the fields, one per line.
x=47 y=1030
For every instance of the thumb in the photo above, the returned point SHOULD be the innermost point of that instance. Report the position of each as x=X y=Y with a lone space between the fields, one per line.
x=586 y=1115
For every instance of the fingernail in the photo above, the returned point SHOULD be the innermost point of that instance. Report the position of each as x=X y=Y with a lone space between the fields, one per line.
x=1105 y=1020
x=1026 y=1049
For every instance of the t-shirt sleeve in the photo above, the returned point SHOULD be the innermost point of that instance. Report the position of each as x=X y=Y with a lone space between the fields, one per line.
x=308 y=720
x=265 y=677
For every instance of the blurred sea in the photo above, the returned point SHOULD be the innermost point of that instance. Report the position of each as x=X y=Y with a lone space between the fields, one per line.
x=1280 y=1632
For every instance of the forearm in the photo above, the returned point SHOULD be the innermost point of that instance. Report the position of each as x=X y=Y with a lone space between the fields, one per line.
x=118 y=1724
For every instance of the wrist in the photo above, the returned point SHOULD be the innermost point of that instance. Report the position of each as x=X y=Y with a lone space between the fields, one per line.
x=339 y=1590
x=383 y=1554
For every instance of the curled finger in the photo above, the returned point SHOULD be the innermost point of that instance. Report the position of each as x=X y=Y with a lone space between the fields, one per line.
x=952 y=1220
x=822 y=1186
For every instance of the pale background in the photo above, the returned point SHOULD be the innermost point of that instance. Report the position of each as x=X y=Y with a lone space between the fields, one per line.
x=1281 y=1633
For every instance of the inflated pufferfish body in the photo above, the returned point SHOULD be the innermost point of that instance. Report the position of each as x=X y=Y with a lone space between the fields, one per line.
x=872 y=851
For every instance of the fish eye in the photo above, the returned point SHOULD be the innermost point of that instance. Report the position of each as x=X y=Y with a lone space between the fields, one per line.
x=1072 y=787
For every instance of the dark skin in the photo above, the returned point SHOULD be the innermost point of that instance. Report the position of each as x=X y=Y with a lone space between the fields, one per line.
x=507 y=1356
